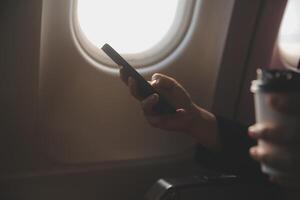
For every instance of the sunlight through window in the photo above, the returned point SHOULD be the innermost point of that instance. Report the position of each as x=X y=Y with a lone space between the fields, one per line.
x=131 y=26
x=289 y=36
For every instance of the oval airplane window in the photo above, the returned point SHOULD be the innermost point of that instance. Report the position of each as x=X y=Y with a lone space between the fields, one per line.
x=144 y=32
x=289 y=35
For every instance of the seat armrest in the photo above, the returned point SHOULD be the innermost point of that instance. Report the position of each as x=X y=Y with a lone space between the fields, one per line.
x=202 y=187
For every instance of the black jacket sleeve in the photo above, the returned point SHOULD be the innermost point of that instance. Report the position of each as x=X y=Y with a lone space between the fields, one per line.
x=234 y=157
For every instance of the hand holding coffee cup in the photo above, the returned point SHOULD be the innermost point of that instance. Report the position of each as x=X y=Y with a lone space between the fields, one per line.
x=277 y=128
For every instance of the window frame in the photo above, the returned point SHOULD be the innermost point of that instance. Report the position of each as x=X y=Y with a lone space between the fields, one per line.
x=148 y=59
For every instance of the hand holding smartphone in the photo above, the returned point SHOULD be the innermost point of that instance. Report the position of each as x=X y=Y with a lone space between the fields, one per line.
x=144 y=88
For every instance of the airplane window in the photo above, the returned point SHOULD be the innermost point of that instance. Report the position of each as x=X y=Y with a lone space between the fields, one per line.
x=289 y=35
x=142 y=31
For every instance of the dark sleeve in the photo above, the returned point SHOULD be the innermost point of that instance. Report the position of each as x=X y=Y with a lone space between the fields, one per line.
x=234 y=157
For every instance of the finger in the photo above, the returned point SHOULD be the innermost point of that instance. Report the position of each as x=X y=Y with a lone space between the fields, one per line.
x=133 y=88
x=149 y=103
x=163 y=81
x=152 y=82
x=123 y=75
x=275 y=133
x=289 y=104
x=267 y=132
x=272 y=156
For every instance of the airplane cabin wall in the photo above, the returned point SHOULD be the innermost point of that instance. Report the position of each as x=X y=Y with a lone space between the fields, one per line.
x=88 y=116
x=19 y=64
x=260 y=54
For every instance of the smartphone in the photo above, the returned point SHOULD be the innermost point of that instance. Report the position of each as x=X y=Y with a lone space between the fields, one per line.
x=144 y=88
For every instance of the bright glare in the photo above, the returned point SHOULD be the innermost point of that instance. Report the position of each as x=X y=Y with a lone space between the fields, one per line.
x=130 y=26
x=290 y=28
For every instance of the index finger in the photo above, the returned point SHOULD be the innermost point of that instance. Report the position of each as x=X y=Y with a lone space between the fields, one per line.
x=274 y=133
x=163 y=81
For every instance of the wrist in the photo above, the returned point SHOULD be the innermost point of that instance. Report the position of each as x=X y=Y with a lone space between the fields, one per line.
x=204 y=128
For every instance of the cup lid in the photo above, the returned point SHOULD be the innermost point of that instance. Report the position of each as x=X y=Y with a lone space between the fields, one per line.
x=276 y=81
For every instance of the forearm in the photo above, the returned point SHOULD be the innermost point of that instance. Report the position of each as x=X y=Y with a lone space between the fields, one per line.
x=226 y=145
x=204 y=128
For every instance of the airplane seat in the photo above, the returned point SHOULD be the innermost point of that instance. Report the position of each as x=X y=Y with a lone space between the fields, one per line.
x=213 y=183
x=212 y=187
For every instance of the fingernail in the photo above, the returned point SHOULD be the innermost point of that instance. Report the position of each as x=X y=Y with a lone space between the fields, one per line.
x=155 y=76
x=251 y=131
x=255 y=129
x=181 y=111
x=253 y=151
x=252 y=134
x=154 y=82
x=252 y=128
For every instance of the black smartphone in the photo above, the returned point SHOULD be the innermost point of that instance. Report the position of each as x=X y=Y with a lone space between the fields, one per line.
x=144 y=88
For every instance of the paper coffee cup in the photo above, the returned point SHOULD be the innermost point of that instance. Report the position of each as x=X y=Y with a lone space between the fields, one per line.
x=274 y=82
